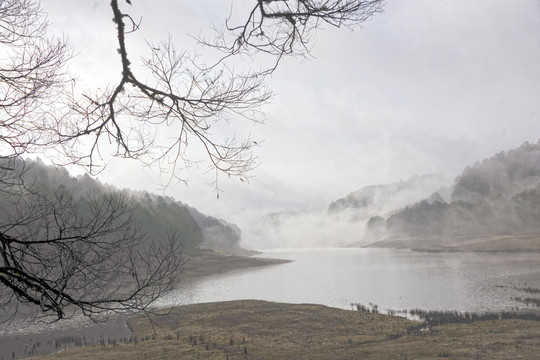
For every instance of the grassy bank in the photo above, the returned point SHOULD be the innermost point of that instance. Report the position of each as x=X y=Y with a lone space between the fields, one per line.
x=471 y=243
x=16 y=342
x=264 y=330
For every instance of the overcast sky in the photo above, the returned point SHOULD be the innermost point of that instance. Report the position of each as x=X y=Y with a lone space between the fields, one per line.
x=428 y=86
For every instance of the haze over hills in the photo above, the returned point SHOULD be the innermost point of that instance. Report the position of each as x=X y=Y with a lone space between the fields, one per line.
x=158 y=215
x=345 y=219
x=219 y=234
x=380 y=199
x=499 y=196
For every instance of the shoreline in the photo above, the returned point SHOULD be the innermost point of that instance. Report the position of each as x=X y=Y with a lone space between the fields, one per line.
x=519 y=243
x=204 y=263
x=255 y=329
x=201 y=263
x=303 y=331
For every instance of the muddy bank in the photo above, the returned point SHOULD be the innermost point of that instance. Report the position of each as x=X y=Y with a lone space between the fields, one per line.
x=201 y=263
x=22 y=339
x=250 y=329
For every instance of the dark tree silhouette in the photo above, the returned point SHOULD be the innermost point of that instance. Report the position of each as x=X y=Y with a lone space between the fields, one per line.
x=187 y=96
x=285 y=27
x=32 y=76
x=62 y=254
x=59 y=254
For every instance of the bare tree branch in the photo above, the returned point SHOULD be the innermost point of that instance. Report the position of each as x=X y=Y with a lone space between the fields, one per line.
x=64 y=255
x=61 y=255
x=153 y=121
x=184 y=97
x=31 y=78
x=285 y=27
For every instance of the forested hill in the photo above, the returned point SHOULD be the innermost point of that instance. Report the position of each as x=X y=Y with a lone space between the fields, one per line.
x=157 y=215
x=219 y=234
x=498 y=196
x=380 y=199
x=501 y=177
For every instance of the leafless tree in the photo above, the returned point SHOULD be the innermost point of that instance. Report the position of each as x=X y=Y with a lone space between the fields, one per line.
x=31 y=80
x=286 y=27
x=32 y=76
x=184 y=96
x=58 y=253
x=62 y=255
x=189 y=97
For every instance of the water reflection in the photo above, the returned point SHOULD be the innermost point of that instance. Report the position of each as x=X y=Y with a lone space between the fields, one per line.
x=395 y=279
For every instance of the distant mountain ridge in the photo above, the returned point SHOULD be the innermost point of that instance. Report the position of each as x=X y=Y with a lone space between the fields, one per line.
x=497 y=196
x=380 y=199
x=501 y=176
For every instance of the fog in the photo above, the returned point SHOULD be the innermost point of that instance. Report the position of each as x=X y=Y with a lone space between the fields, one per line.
x=494 y=197
x=398 y=163
x=343 y=221
x=427 y=87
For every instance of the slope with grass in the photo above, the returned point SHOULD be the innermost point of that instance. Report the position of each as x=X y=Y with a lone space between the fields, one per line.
x=251 y=329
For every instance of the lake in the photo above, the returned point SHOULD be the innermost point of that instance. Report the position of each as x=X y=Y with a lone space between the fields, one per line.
x=392 y=279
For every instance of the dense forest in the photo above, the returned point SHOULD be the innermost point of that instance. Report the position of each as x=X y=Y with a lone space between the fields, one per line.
x=158 y=216
x=497 y=196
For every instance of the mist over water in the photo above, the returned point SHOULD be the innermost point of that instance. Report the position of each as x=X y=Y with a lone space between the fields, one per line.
x=296 y=230
x=392 y=279
x=343 y=221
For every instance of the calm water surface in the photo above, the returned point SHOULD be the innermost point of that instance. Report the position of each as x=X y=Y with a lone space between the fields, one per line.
x=392 y=279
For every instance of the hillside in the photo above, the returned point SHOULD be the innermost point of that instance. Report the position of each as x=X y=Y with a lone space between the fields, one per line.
x=380 y=199
x=157 y=215
x=219 y=234
x=499 y=196
x=343 y=220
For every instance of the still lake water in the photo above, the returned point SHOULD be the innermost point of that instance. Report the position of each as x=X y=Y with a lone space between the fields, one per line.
x=392 y=279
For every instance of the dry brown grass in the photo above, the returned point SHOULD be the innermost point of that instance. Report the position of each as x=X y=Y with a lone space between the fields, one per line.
x=209 y=262
x=479 y=243
x=264 y=330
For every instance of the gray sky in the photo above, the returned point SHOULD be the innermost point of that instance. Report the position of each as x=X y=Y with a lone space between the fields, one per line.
x=429 y=86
